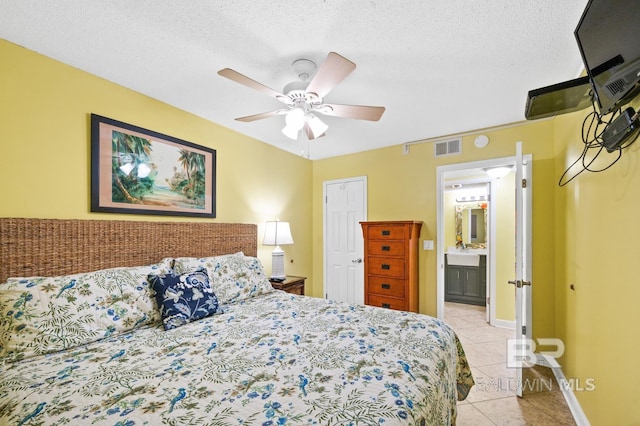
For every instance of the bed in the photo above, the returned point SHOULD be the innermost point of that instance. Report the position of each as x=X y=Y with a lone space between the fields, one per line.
x=91 y=333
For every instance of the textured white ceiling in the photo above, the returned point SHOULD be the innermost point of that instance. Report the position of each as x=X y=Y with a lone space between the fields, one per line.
x=440 y=67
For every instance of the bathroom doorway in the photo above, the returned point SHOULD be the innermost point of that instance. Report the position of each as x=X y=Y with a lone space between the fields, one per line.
x=466 y=230
x=453 y=224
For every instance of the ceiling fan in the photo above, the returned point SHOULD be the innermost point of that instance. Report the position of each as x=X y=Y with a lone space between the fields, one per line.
x=304 y=99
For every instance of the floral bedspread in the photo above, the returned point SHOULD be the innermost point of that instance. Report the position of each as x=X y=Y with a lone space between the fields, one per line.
x=276 y=359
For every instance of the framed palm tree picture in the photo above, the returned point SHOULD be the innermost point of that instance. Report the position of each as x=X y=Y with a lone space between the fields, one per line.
x=139 y=171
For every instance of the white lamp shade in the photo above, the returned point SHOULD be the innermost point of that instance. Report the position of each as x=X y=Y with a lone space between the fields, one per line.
x=277 y=233
x=295 y=118
x=318 y=127
x=290 y=132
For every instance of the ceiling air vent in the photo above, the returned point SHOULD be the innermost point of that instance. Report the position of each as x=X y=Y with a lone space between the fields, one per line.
x=450 y=147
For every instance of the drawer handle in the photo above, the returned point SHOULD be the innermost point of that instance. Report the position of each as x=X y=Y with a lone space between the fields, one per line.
x=386 y=232
x=385 y=266
x=386 y=305
x=386 y=248
x=386 y=286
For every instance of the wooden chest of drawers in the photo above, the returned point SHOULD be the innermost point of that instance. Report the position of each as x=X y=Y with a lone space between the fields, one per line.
x=391 y=264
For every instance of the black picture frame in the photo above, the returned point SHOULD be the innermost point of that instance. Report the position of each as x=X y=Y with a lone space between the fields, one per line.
x=140 y=171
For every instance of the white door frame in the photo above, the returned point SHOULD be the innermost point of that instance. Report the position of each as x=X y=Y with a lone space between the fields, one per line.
x=325 y=183
x=440 y=248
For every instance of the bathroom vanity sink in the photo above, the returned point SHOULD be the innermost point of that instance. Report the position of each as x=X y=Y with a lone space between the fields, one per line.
x=463 y=259
x=466 y=257
x=466 y=277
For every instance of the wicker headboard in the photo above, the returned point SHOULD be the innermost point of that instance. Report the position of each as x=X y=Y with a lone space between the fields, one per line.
x=49 y=247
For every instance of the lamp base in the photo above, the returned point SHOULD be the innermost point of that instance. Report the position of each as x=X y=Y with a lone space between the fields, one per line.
x=277 y=265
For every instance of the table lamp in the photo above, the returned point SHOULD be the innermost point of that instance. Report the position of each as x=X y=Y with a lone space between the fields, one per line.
x=276 y=234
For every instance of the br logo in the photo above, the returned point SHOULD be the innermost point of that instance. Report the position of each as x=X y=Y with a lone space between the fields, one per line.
x=522 y=352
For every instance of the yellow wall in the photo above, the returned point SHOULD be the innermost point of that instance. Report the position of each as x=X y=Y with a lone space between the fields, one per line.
x=45 y=162
x=505 y=249
x=597 y=230
x=449 y=219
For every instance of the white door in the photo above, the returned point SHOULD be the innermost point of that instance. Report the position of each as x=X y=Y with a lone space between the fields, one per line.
x=345 y=208
x=523 y=348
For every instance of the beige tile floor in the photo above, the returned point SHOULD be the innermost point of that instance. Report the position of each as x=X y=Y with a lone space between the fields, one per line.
x=492 y=401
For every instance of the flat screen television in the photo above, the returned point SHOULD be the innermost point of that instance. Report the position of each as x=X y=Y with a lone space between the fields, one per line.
x=608 y=38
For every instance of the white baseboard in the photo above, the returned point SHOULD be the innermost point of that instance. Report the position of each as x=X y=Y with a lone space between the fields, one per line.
x=504 y=324
x=566 y=388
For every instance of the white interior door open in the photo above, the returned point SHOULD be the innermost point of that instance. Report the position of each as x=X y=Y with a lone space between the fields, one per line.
x=344 y=209
x=520 y=353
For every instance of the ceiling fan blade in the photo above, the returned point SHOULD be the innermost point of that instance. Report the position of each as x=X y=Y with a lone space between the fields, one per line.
x=246 y=81
x=359 y=112
x=334 y=69
x=260 y=116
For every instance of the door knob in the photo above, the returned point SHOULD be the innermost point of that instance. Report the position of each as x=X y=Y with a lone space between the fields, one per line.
x=358 y=260
x=519 y=283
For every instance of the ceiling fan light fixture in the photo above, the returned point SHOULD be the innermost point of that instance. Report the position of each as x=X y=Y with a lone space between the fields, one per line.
x=290 y=132
x=498 y=172
x=304 y=98
x=317 y=126
x=295 y=118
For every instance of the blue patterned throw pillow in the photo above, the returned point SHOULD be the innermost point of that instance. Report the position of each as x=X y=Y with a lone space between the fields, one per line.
x=183 y=298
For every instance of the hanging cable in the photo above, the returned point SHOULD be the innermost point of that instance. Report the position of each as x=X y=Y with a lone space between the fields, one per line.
x=593 y=126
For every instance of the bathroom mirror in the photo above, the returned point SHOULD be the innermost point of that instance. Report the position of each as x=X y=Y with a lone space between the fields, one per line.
x=471 y=223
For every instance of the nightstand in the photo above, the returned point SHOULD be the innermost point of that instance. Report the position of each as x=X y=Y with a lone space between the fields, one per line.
x=291 y=284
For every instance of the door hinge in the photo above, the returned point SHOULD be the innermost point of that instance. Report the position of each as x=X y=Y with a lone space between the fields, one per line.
x=524 y=183
x=488 y=300
x=524 y=330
